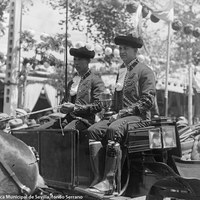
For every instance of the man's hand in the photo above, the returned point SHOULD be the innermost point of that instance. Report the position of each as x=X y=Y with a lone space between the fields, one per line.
x=67 y=108
x=114 y=118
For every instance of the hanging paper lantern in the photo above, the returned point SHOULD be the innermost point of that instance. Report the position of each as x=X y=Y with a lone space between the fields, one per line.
x=154 y=18
x=89 y=46
x=116 y=52
x=147 y=60
x=108 y=51
x=196 y=32
x=116 y=4
x=188 y=29
x=145 y=11
x=79 y=44
x=154 y=60
x=177 y=25
x=98 y=49
x=131 y=8
x=141 y=58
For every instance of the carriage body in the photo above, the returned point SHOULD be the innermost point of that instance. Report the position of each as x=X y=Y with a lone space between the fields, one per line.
x=64 y=157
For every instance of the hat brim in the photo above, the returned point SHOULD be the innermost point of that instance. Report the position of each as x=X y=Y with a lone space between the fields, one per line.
x=129 y=41
x=82 y=53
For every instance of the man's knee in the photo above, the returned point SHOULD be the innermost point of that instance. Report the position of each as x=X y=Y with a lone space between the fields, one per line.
x=115 y=132
x=96 y=132
x=92 y=132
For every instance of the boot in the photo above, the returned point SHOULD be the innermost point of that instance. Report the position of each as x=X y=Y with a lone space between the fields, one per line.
x=112 y=165
x=96 y=154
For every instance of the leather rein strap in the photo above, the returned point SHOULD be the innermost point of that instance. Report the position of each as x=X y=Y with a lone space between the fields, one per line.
x=23 y=189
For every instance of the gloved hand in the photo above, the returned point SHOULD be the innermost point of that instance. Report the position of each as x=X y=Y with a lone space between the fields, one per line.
x=67 y=108
x=114 y=118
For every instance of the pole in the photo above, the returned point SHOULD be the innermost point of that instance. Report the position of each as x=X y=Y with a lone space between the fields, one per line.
x=66 y=48
x=13 y=62
x=190 y=89
x=20 y=90
x=167 y=69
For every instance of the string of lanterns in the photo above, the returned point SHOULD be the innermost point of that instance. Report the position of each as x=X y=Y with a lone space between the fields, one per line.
x=177 y=25
x=99 y=50
x=132 y=8
x=188 y=29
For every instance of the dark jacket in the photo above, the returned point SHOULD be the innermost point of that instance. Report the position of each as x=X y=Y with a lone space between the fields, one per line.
x=87 y=98
x=138 y=93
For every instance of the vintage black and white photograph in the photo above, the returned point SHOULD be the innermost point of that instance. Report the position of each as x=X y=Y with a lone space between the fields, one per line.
x=100 y=99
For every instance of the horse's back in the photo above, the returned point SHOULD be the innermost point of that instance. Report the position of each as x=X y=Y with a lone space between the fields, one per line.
x=18 y=159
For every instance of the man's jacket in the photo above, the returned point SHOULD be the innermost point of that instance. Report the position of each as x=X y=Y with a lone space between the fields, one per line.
x=138 y=93
x=87 y=98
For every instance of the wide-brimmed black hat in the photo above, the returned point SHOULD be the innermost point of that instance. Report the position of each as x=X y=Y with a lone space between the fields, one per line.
x=129 y=40
x=82 y=52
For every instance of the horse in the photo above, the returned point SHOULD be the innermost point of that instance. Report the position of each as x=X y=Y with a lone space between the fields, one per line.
x=19 y=171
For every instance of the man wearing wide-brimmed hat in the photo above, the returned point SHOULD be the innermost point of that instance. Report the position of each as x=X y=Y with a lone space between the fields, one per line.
x=138 y=90
x=82 y=100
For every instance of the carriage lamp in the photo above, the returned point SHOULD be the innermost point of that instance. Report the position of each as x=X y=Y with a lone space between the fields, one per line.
x=168 y=136
x=155 y=139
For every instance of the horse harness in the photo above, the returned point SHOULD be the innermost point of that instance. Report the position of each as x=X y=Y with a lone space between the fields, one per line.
x=23 y=188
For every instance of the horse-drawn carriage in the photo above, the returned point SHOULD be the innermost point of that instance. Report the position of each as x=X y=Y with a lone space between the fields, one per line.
x=148 y=166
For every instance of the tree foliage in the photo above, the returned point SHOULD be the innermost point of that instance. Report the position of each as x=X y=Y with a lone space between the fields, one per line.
x=189 y=14
x=44 y=55
x=101 y=20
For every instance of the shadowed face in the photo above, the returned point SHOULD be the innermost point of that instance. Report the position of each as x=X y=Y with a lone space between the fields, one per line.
x=127 y=53
x=81 y=65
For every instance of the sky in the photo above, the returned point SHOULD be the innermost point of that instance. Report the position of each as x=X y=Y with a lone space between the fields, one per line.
x=41 y=19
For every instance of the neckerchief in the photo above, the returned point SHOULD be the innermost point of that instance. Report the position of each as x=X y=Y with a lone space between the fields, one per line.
x=76 y=81
x=122 y=74
x=75 y=84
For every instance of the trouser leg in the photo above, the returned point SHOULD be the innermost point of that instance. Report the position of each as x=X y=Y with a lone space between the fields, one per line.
x=96 y=160
x=113 y=159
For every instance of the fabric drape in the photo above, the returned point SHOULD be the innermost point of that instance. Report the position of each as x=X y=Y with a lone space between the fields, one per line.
x=32 y=93
x=51 y=94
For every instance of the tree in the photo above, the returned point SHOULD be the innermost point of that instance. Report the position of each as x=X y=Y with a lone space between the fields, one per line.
x=44 y=55
x=183 y=40
x=101 y=20
x=4 y=7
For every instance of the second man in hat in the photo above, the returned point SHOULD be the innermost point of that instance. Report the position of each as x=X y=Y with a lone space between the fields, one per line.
x=82 y=101
x=137 y=94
